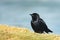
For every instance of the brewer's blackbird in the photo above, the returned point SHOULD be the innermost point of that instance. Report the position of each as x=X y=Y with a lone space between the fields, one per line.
x=38 y=24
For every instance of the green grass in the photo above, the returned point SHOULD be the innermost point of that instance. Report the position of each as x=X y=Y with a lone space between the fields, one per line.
x=15 y=33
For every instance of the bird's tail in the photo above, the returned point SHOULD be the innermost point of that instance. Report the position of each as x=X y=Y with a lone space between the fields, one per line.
x=50 y=31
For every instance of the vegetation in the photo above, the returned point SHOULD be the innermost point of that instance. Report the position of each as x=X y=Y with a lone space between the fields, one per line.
x=16 y=33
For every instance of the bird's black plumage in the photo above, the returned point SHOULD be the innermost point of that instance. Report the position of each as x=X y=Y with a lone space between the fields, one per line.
x=38 y=24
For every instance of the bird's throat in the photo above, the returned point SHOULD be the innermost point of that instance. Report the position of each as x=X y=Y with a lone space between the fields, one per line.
x=35 y=19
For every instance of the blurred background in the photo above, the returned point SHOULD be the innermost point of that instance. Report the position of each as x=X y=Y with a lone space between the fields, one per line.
x=16 y=13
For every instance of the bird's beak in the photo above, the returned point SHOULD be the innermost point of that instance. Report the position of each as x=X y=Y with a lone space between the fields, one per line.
x=31 y=14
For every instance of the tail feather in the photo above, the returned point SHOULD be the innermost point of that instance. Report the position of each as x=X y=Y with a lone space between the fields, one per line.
x=48 y=30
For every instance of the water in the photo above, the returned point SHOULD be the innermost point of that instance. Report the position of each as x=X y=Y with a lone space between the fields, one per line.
x=17 y=14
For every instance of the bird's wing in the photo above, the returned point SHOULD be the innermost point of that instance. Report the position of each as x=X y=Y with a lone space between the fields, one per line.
x=41 y=22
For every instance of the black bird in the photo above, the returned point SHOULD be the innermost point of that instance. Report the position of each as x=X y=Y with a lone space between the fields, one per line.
x=38 y=24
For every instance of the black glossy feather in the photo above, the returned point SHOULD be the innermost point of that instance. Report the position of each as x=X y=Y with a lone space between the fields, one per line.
x=38 y=24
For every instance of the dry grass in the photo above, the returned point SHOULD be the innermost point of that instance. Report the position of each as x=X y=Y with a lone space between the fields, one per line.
x=15 y=33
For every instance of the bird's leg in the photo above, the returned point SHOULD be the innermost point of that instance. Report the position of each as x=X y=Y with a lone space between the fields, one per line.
x=41 y=32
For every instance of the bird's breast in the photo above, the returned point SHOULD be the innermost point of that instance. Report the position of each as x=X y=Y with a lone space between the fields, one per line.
x=35 y=23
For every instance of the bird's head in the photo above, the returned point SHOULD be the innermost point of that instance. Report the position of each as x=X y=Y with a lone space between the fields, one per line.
x=34 y=16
